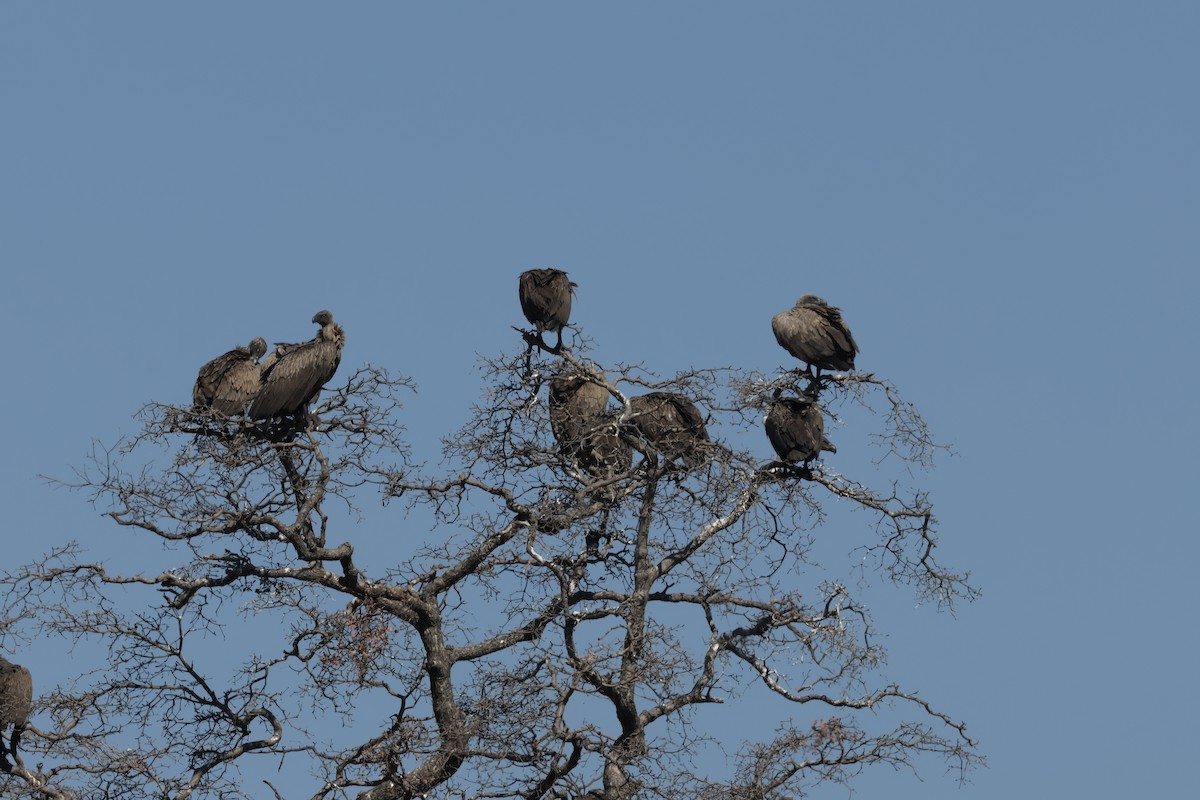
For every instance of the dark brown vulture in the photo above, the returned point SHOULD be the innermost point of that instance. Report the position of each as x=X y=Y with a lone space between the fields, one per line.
x=796 y=428
x=546 y=301
x=16 y=694
x=583 y=429
x=814 y=332
x=293 y=374
x=671 y=424
x=230 y=381
x=575 y=403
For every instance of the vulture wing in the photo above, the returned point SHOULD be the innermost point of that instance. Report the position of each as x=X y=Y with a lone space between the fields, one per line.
x=295 y=376
x=671 y=423
x=814 y=332
x=575 y=404
x=838 y=335
x=585 y=432
x=281 y=349
x=546 y=298
x=796 y=429
x=602 y=452
x=230 y=381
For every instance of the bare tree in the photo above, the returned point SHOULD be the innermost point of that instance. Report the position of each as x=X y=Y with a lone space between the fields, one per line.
x=546 y=629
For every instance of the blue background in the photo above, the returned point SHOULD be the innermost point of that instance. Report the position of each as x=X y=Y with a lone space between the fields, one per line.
x=1003 y=198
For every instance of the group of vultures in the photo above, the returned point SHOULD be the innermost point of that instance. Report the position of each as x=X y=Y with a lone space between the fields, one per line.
x=286 y=381
x=589 y=432
x=599 y=439
x=282 y=385
x=232 y=384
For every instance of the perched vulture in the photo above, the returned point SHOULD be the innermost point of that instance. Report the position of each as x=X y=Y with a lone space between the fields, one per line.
x=796 y=428
x=546 y=300
x=602 y=452
x=671 y=424
x=583 y=429
x=228 y=382
x=574 y=403
x=814 y=332
x=293 y=374
x=16 y=694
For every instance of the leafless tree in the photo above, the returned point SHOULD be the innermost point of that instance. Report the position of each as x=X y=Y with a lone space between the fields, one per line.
x=538 y=630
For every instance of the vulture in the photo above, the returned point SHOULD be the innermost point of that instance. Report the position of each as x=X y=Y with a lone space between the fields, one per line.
x=671 y=424
x=546 y=301
x=814 y=332
x=230 y=381
x=575 y=403
x=16 y=694
x=583 y=429
x=293 y=374
x=796 y=429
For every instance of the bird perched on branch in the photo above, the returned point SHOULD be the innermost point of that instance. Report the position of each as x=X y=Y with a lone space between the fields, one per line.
x=546 y=301
x=814 y=332
x=671 y=424
x=293 y=374
x=796 y=428
x=230 y=381
x=16 y=694
x=585 y=431
x=575 y=403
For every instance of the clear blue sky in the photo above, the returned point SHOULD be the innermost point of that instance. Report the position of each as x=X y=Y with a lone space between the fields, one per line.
x=1004 y=199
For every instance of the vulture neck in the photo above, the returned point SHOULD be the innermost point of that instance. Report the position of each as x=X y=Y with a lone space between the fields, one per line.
x=331 y=332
